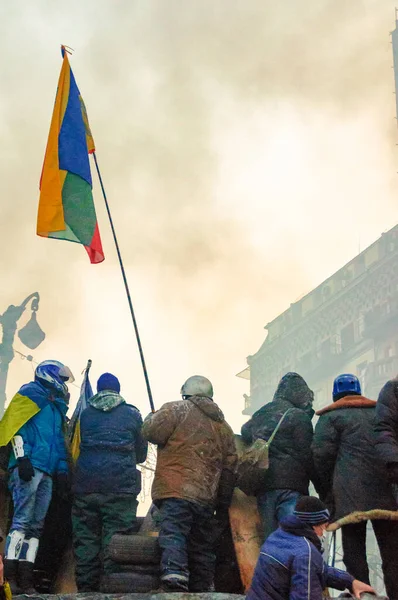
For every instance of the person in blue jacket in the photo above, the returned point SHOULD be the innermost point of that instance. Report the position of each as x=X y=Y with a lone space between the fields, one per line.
x=107 y=481
x=291 y=567
x=34 y=424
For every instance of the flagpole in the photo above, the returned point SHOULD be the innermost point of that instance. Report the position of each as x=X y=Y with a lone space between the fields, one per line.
x=126 y=285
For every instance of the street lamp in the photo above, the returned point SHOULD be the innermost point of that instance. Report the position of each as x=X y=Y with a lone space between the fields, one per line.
x=31 y=335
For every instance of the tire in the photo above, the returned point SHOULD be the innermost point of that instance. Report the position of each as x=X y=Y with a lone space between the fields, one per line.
x=130 y=583
x=134 y=528
x=151 y=569
x=134 y=549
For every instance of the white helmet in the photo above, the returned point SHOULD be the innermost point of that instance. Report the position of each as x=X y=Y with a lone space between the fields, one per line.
x=197 y=386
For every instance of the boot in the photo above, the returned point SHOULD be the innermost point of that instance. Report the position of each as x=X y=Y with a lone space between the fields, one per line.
x=11 y=574
x=25 y=577
x=173 y=584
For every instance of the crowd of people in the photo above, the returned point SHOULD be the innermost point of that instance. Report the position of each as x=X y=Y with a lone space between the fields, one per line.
x=351 y=459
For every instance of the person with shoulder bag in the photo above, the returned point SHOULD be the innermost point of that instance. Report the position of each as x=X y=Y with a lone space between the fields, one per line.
x=286 y=422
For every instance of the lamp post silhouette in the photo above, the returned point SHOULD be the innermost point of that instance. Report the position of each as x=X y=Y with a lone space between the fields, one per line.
x=31 y=335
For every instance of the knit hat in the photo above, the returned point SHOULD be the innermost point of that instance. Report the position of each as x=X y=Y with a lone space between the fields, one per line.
x=312 y=511
x=107 y=381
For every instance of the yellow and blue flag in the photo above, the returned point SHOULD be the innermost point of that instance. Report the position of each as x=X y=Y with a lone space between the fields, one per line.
x=25 y=404
x=66 y=205
x=86 y=393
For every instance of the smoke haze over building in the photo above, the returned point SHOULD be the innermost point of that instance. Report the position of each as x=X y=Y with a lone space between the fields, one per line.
x=247 y=148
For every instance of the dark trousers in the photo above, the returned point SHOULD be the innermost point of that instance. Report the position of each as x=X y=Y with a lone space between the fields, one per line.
x=275 y=505
x=186 y=541
x=95 y=519
x=354 y=552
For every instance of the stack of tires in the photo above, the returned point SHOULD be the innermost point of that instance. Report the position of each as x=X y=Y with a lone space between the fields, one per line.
x=137 y=567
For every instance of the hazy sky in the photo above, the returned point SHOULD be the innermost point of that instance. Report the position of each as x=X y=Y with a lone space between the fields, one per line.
x=248 y=151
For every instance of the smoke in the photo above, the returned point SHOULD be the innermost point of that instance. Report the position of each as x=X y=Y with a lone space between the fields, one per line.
x=247 y=148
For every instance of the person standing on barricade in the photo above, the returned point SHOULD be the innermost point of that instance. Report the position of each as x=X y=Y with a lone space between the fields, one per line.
x=353 y=478
x=107 y=481
x=195 y=476
x=34 y=423
x=290 y=458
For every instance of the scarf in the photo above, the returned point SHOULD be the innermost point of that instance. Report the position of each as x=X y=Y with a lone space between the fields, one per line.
x=106 y=400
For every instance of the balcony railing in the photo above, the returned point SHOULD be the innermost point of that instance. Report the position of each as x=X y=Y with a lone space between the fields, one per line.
x=380 y=371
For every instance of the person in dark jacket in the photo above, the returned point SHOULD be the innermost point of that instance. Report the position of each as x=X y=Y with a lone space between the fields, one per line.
x=107 y=481
x=195 y=476
x=352 y=478
x=290 y=458
x=291 y=567
x=34 y=424
x=387 y=428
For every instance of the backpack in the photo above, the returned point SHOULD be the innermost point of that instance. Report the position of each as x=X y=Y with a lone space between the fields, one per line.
x=254 y=462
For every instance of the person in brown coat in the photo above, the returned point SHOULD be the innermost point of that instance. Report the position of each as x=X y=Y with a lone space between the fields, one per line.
x=194 y=478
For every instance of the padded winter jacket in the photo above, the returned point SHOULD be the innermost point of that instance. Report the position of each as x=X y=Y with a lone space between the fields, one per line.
x=351 y=473
x=291 y=567
x=110 y=448
x=291 y=464
x=196 y=452
x=387 y=423
x=43 y=434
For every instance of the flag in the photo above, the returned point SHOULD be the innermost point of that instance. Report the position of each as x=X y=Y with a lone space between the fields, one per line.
x=86 y=392
x=66 y=205
x=24 y=405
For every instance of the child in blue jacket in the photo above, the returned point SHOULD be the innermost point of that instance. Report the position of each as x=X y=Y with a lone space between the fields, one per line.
x=291 y=567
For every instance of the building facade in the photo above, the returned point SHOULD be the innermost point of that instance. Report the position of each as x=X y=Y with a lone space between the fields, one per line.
x=348 y=324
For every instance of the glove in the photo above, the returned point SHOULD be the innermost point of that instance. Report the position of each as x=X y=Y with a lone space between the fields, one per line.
x=392 y=470
x=25 y=469
x=62 y=485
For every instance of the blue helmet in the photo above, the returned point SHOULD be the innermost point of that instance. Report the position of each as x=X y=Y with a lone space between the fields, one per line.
x=346 y=384
x=54 y=375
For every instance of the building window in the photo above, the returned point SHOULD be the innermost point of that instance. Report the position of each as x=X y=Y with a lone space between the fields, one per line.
x=347 y=337
x=360 y=327
x=325 y=349
x=335 y=344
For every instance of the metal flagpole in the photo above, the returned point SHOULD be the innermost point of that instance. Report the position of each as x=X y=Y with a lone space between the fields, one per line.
x=126 y=285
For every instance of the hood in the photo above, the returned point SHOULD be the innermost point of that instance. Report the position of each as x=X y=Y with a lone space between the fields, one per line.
x=348 y=402
x=292 y=388
x=57 y=399
x=208 y=407
x=295 y=526
x=106 y=400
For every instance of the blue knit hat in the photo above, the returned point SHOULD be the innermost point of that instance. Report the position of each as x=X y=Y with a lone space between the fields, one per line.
x=312 y=511
x=107 y=381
